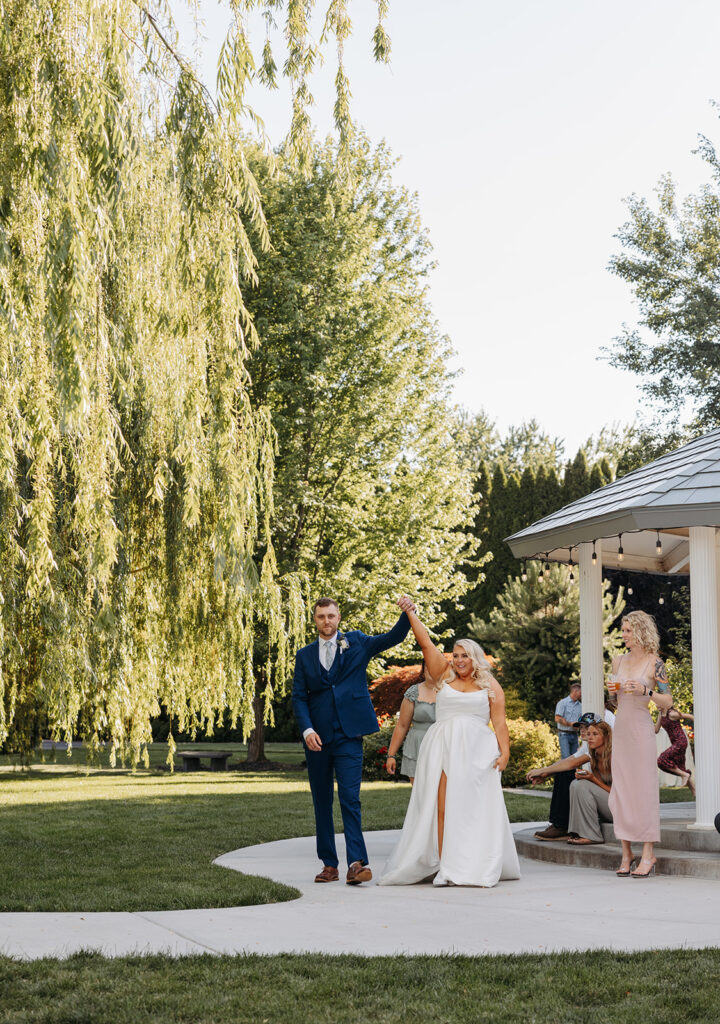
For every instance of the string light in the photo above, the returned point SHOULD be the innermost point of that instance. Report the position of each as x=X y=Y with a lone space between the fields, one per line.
x=572 y=574
x=547 y=564
x=523 y=575
x=594 y=555
x=621 y=553
x=540 y=574
x=661 y=600
x=658 y=545
x=630 y=590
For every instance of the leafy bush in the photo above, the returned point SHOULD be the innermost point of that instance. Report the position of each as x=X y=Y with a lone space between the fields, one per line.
x=375 y=748
x=532 y=744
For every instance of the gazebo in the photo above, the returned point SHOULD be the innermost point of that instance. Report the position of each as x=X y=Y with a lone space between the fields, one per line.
x=662 y=518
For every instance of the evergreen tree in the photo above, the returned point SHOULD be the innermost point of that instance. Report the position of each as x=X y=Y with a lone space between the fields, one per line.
x=534 y=632
x=527 y=503
x=596 y=480
x=548 y=492
x=576 y=482
x=458 y=612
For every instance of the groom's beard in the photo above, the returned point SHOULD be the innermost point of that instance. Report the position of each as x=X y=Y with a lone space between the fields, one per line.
x=328 y=632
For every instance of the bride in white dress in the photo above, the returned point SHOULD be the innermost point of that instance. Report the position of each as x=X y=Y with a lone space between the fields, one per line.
x=456 y=827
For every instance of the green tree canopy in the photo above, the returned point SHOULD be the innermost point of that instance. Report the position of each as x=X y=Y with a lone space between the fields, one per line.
x=369 y=497
x=671 y=260
x=136 y=477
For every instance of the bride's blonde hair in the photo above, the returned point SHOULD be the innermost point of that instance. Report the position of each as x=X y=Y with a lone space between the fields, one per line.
x=481 y=668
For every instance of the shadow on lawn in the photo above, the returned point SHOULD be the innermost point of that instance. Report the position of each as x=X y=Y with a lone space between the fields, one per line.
x=143 y=853
x=154 y=851
x=291 y=773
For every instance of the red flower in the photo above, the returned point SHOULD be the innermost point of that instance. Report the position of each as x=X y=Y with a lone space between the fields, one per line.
x=382 y=750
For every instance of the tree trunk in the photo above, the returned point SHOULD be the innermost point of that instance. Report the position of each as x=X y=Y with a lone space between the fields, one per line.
x=256 y=740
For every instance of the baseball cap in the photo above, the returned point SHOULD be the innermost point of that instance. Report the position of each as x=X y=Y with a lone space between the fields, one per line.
x=589 y=718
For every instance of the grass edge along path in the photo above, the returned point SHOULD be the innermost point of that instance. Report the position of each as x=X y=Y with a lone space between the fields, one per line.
x=596 y=987
x=146 y=841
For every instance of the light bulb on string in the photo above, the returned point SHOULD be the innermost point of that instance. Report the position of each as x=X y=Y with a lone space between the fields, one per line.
x=661 y=600
x=629 y=590
x=523 y=574
x=572 y=574
x=658 y=545
x=540 y=574
x=594 y=555
x=621 y=553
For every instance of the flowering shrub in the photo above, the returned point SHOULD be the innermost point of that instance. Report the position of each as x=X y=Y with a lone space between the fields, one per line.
x=532 y=745
x=375 y=748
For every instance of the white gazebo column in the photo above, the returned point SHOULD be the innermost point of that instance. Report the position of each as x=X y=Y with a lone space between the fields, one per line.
x=704 y=612
x=591 y=628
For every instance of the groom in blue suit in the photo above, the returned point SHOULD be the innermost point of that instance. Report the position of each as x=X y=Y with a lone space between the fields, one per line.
x=333 y=709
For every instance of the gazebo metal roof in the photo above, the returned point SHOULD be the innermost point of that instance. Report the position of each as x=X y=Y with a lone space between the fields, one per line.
x=665 y=498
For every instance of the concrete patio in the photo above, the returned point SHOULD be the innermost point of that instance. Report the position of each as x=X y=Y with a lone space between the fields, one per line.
x=552 y=907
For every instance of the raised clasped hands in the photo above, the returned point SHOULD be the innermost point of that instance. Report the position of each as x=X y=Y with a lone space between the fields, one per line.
x=406 y=604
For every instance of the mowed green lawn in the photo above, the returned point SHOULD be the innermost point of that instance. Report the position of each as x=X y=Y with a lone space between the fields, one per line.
x=87 y=839
x=74 y=838
x=593 y=988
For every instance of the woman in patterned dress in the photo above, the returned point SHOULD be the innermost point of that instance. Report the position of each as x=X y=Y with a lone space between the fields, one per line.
x=672 y=760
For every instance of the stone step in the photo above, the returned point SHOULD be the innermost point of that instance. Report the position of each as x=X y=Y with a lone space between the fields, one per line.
x=606 y=856
x=675 y=835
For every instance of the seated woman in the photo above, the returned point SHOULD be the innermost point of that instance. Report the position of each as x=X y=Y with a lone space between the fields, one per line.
x=563 y=775
x=590 y=792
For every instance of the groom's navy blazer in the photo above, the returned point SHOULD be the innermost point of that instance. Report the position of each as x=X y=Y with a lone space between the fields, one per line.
x=321 y=697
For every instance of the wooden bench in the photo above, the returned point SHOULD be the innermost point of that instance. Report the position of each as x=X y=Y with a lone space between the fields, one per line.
x=192 y=759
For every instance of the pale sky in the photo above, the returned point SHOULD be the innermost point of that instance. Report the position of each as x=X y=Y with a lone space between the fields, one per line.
x=522 y=126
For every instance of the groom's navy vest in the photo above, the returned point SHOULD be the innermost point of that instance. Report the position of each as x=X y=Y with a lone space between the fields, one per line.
x=325 y=699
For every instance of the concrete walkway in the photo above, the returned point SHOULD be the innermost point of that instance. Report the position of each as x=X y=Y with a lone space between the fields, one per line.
x=550 y=908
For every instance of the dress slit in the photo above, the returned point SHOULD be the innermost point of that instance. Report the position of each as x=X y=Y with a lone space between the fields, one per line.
x=441 y=800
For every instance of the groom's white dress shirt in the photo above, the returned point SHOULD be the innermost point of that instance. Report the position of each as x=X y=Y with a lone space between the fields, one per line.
x=327 y=652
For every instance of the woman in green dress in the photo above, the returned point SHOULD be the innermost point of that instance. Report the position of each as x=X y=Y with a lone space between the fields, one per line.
x=417 y=714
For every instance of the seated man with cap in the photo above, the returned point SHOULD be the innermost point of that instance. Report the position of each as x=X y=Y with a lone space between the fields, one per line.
x=563 y=773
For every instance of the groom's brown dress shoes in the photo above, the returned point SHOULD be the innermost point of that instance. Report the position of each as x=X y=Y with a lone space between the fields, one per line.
x=357 y=873
x=328 y=874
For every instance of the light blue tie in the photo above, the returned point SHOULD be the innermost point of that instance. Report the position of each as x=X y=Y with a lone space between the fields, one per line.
x=329 y=654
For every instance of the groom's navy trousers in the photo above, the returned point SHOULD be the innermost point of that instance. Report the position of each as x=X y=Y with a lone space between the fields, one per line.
x=336 y=704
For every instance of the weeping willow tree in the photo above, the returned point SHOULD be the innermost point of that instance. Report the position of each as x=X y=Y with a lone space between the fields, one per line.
x=136 y=477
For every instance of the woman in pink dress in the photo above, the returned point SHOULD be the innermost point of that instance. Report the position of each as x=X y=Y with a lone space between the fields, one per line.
x=634 y=797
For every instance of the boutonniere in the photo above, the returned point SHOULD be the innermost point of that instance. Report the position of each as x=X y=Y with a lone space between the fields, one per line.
x=342 y=643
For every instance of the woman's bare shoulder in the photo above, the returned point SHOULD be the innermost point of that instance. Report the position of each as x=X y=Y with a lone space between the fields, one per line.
x=495 y=686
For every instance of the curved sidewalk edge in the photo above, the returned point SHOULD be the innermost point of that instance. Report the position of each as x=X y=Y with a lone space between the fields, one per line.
x=547 y=910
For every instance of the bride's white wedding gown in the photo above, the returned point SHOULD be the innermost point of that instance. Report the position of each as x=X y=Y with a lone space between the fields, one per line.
x=478 y=847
